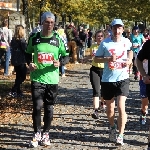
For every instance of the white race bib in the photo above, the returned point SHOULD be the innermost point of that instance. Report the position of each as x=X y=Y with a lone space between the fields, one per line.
x=45 y=58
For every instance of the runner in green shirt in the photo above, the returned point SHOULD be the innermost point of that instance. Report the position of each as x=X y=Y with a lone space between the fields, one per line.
x=46 y=47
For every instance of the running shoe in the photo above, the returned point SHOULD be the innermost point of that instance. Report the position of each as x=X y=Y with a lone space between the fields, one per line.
x=143 y=120
x=120 y=140
x=13 y=94
x=112 y=134
x=95 y=115
x=35 y=140
x=45 y=141
x=103 y=107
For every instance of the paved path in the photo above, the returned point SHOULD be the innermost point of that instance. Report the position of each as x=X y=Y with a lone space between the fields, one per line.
x=73 y=127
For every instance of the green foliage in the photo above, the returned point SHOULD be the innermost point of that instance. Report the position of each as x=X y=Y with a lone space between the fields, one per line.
x=95 y=12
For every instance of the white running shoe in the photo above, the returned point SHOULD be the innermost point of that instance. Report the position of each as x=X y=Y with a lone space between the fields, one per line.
x=45 y=141
x=120 y=140
x=35 y=140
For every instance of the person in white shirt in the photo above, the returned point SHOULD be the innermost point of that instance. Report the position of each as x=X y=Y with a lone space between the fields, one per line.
x=116 y=54
x=7 y=33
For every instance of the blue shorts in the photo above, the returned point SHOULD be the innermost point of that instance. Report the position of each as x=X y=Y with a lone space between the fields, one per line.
x=142 y=89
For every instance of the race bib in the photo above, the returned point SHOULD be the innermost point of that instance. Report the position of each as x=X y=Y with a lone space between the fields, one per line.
x=45 y=58
x=135 y=44
x=115 y=65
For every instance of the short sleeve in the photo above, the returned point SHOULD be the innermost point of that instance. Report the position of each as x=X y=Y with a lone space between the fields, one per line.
x=63 y=49
x=144 y=52
x=30 y=48
x=100 y=51
x=129 y=44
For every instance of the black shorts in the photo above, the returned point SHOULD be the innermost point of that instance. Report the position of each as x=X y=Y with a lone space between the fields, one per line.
x=114 y=89
x=45 y=92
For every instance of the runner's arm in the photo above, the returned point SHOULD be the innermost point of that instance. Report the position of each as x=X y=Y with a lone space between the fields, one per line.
x=99 y=56
x=29 y=51
x=89 y=56
x=64 y=52
x=98 y=59
x=143 y=54
x=130 y=56
x=129 y=52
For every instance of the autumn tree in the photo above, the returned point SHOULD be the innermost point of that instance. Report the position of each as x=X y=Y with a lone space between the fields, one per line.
x=95 y=12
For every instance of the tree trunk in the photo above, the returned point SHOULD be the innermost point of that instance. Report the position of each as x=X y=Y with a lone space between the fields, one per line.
x=25 y=13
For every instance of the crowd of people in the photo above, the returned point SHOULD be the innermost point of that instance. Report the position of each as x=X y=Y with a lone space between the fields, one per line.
x=115 y=53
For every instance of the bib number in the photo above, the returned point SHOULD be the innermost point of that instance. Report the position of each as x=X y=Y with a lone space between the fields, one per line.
x=45 y=58
x=135 y=44
x=115 y=65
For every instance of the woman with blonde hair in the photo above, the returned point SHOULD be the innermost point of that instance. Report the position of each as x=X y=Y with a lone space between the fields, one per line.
x=18 y=47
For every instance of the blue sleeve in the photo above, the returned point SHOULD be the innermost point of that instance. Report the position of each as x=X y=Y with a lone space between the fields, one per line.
x=101 y=50
x=142 y=36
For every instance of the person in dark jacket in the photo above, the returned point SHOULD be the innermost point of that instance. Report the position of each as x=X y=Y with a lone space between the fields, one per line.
x=90 y=34
x=18 y=46
x=71 y=34
x=82 y=38
x=141 y=57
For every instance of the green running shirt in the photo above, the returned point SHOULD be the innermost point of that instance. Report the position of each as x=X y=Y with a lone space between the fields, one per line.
x=45 y=50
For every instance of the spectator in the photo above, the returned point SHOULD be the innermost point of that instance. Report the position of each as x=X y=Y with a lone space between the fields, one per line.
x=71 y=33
x=82 y=38
x=7 y=54
x=62 y=34
x=128 y=33
x=90 y=34
x=108 y=28
x=18 y=47
x=107 y=33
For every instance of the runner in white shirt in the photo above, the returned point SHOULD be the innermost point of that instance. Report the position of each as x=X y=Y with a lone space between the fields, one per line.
x=116 y=54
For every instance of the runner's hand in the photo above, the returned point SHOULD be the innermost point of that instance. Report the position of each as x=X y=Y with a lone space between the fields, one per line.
x=56 y=63
x=127 y=63
x=113 y=58
x=32 y=67
x=146 y=79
